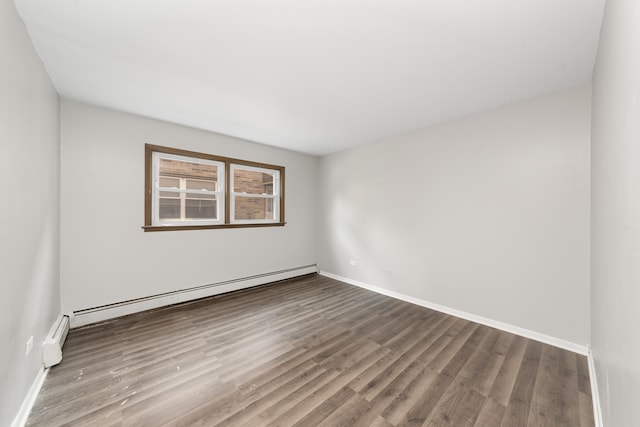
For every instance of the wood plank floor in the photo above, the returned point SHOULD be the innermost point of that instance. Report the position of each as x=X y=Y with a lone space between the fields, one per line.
x=309 y=352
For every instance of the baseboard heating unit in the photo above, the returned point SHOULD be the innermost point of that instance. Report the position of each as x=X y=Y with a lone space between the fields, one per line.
x=110 y=311
x=52 y=344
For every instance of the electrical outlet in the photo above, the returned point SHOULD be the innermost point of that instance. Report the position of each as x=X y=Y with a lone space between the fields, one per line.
x=29 y=345
x=352 y=262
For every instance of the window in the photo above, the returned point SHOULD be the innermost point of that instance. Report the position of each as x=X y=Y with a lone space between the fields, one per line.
x=252 y=196
x=186 y=190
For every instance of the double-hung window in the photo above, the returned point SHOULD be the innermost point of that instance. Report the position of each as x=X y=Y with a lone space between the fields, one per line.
x=187 y=190
x=254 y=194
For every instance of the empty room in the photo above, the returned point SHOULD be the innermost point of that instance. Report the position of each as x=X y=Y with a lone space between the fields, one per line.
x=320 y=213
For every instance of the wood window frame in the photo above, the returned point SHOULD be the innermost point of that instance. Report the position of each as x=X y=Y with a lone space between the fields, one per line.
x=228 y=161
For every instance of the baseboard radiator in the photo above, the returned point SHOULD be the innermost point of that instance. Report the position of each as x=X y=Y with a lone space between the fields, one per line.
x=52 y=344
x=105 y=312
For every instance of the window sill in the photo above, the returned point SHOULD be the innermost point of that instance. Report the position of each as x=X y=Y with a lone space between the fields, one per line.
x=208 y=227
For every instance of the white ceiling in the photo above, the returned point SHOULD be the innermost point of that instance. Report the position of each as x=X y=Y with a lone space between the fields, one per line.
x=314 y=76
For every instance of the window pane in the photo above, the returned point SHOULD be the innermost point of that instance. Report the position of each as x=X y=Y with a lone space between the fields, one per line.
x=192 y=170
x=269 y=208
x=199 y=184
x=167 y=182
x=170 y=194
x=169 y=209
x=200 y=196
x=201 y=209
x=253 y=208
x=252 y=182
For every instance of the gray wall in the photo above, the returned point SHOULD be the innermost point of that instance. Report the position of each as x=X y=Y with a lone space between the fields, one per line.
x=487 y=214
x=615 y=207
x=29 y=220
x=106 y=256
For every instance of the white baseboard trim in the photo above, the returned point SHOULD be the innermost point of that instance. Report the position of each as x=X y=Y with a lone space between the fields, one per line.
x=595 y=394
x=97 y=314
x=23 y=414
x=546 y=339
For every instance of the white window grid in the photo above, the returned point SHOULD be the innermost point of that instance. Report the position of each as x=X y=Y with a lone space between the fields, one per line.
x=275 y=197
x=182 y=192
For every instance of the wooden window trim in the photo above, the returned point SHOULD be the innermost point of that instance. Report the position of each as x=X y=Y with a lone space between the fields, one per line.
x=148 y=189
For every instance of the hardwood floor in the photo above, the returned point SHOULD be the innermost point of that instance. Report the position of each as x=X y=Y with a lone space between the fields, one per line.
x=309 y=352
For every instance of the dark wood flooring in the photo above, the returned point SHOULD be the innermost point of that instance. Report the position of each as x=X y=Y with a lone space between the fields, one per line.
x=309 y=352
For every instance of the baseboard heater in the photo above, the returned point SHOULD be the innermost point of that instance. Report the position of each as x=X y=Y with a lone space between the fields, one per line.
x=52 y=344
x=97 y=314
